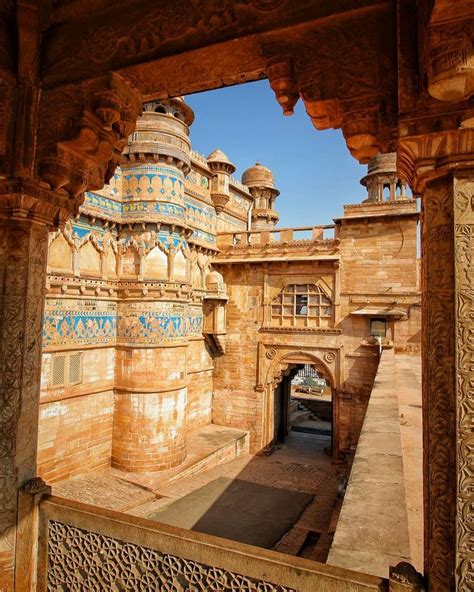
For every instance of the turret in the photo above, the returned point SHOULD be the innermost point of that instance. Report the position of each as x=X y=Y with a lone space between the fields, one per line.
x=261 y=184
x=381 y=175
x=157 y=159
x=221 y=168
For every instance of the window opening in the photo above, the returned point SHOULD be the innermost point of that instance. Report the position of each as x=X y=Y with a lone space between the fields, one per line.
x=302 y=301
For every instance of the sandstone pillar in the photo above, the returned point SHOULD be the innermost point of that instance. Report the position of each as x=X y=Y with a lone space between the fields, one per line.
x=444 y=176
x=24 y=222
x=448 y=373
x=66 y=140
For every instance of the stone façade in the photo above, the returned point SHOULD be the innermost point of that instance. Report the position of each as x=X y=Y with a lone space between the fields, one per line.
x=167 y=344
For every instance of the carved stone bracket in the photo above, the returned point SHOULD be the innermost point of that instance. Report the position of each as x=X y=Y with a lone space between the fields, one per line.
x=284 y=84
x=83 y=129
x=424 y=157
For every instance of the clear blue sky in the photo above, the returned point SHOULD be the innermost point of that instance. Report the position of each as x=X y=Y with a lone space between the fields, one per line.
x=313 y=169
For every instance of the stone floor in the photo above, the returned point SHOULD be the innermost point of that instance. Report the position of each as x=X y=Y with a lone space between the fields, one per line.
x=298 y=465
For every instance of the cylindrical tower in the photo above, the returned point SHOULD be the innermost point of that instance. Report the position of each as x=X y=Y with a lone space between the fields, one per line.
x=381 y=176
x=261 y=184
x=149 y=431
x=221 y=168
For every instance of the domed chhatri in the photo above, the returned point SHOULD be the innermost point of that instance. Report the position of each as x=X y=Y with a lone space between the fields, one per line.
x=381 y=176
x=218 y=160
x=259 y=176
x=261 y=183
x=221 y=168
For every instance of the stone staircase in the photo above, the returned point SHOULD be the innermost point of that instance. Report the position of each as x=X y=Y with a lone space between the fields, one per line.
x=299 y=413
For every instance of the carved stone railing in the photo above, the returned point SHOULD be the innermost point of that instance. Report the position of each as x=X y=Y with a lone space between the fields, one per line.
x=82 y=547
x=277 y=236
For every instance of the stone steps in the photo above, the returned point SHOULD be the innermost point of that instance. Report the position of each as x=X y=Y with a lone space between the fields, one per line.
x=298 y=416
x=223 y=454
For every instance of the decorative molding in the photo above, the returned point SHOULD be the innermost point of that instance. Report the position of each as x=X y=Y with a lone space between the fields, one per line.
x=322 y=330
x=464 y=303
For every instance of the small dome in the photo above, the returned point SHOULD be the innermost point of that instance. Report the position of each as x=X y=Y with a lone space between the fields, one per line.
x=218 y=157
x=382 y=164
x=258 y=176
x=215 y=282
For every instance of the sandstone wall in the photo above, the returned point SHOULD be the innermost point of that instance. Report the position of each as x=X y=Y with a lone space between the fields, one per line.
x=200 y=384
x=75 y=422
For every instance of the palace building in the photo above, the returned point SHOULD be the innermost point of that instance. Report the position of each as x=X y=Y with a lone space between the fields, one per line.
x=174 y=302
x=193 y=397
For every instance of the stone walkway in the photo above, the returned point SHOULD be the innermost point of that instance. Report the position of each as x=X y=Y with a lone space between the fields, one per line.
x=298 y=465
x=380 y=522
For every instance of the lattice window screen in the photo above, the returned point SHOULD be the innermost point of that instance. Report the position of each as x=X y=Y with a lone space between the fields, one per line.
x=75 y=368
x=58 y=370
x=66 y=369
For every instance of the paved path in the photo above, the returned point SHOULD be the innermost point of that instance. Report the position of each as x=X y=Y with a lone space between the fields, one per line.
x=380 y=523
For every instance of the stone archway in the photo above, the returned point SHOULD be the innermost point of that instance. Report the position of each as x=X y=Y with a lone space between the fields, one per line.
x=281 y=362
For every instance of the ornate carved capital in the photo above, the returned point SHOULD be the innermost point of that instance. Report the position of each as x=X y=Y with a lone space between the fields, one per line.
x=83 y=129
x=27 y=200
x=422 y=158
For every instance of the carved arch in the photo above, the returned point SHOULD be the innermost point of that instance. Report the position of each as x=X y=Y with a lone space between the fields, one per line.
x=278 y=364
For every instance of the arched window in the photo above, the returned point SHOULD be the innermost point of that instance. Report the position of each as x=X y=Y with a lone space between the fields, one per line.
x=301 y=302
x=160 y=109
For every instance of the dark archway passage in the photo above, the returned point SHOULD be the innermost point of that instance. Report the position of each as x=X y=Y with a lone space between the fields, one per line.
x=303 y=403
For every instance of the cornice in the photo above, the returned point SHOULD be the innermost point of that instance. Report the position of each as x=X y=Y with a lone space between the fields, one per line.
x=320 y=330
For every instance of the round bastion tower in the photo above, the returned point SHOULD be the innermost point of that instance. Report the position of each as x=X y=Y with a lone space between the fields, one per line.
x=151 y=374
x=261 y=184
x=382 y=178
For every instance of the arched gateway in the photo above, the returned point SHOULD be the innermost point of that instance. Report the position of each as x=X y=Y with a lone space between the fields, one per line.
x=283 y=366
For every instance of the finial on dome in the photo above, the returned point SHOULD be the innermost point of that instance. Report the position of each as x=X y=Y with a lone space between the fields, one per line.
x=259 y=176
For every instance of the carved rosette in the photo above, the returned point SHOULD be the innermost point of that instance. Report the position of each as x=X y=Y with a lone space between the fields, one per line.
x=83 y=129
